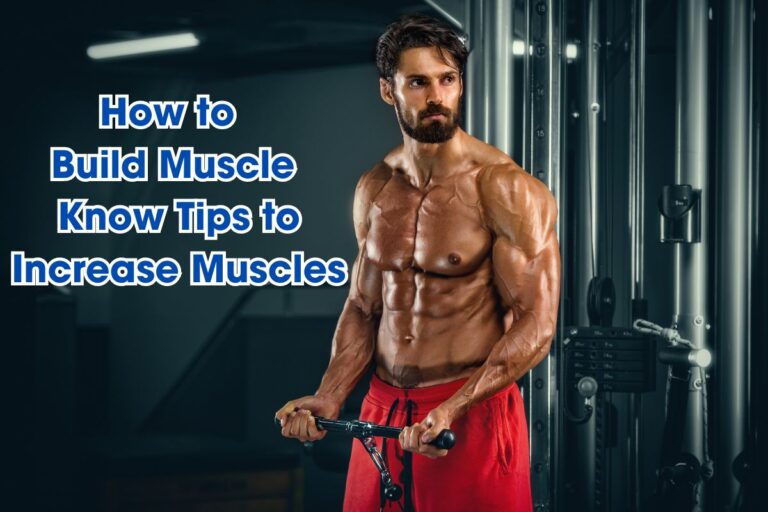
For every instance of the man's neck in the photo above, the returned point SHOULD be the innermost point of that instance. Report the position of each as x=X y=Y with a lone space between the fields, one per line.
x=424 y=161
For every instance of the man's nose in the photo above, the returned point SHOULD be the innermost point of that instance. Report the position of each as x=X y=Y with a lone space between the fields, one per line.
x=434 y=95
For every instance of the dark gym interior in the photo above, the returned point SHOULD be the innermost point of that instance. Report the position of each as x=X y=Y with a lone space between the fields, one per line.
x=162 y=398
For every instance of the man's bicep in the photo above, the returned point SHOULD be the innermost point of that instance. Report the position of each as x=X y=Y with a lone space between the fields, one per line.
x=528 y=282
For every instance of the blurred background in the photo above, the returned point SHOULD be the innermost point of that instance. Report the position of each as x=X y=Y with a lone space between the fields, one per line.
x=646 y=119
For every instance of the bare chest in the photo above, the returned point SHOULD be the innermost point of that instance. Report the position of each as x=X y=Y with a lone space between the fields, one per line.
x=439 y=230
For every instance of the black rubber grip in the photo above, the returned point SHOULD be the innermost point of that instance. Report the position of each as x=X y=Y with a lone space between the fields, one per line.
x=445 y=440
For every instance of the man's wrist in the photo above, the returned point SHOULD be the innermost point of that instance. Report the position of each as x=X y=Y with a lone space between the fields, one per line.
x=453 y=409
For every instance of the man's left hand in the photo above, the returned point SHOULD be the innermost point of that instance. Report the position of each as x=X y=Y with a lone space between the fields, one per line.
x=417 y=437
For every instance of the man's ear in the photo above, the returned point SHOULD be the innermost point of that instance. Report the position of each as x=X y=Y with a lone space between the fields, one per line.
x=385 y=88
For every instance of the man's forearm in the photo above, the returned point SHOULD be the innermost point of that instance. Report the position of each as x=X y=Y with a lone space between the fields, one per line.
x=521 y=348
x=351 y=353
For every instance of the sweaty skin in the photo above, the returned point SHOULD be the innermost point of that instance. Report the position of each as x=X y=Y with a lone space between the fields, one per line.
x=457 y=275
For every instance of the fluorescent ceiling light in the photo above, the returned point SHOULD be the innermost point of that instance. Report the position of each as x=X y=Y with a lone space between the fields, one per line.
x=142 y=46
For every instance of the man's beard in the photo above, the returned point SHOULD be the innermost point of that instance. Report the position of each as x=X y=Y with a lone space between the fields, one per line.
x=434 y=132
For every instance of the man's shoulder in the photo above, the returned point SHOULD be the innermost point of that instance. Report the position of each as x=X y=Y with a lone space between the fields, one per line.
x=512 y=198
x=497 y=172
x=507 y=180
x=369 y=185
x=373 y=180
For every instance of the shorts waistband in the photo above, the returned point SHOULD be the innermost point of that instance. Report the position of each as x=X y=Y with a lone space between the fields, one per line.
x=383 y=394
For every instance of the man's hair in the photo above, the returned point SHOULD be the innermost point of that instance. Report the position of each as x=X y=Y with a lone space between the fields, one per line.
x=417 y=31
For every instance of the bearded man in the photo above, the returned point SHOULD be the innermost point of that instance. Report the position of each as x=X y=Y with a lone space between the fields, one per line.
x=453 y=297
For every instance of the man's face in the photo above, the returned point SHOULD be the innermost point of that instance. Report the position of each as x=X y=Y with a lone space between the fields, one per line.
x=426 y=93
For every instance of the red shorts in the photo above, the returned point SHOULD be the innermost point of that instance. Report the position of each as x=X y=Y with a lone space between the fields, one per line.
x=487 y=470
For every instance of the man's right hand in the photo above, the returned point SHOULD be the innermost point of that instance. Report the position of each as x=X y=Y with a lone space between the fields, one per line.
x=297 y=417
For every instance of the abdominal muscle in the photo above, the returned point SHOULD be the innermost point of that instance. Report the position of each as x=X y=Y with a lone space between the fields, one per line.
x=436 y=329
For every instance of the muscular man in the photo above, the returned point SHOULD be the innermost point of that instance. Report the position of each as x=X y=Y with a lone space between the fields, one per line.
x=453 y=296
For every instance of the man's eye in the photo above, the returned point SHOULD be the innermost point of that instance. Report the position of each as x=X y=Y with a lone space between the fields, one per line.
x=449 y=79
x=417 y=82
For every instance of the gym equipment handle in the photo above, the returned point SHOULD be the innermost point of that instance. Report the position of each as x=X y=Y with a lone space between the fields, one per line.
x=444 y=440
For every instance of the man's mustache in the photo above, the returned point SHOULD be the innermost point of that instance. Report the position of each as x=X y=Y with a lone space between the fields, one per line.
x=435 y=109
